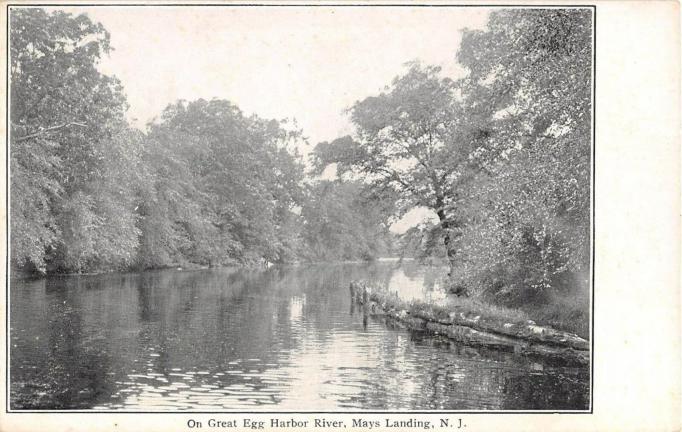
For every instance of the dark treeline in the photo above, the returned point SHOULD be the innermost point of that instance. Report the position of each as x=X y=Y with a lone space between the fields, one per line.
x=501 y=158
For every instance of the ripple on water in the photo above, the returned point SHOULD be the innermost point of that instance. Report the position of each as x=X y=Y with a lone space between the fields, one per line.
x=218 y=339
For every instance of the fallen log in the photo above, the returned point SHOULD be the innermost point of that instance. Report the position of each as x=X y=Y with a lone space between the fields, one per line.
x=472 y=329
x=521 y=330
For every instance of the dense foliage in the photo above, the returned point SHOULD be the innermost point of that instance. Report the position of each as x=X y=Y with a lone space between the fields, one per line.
x=222 y=187
x=529 y=227
x=67 y=129
x=343 y=221
x=205 y=184
x=501 y=158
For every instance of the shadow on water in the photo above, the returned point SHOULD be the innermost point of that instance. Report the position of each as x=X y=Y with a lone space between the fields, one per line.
x=230 y=339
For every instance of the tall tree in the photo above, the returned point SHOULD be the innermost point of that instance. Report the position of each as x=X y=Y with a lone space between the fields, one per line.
x=420 y=139
x=531 y=224
x=227 y=183
x=65 y=116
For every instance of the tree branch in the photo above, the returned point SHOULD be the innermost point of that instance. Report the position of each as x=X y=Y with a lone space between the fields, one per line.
x=48 y=130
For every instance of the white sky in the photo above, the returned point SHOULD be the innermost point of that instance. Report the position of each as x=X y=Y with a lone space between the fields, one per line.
x=295 y=62
x=304 y=63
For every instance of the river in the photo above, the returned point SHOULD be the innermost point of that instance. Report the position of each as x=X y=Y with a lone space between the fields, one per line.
x=281 y=339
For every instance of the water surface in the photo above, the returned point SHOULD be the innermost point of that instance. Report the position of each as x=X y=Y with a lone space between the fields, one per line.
x=281 y=339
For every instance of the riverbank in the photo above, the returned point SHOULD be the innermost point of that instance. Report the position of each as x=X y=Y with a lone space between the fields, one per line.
x=19 y=273
x=474 y=323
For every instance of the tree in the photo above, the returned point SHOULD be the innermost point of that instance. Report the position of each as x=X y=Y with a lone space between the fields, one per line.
x=65 y=117
x=530 y=228
x=420 y=139
x=343 y=220
x=206 y=184
x=226 y=185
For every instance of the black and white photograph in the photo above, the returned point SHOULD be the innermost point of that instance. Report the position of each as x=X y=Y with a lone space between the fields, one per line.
x=300 y=208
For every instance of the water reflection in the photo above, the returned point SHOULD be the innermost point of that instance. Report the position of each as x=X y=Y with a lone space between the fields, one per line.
x=276 y=339
x=418 y=283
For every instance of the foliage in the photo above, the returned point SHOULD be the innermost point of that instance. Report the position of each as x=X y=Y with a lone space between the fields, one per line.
x=226 y=184
x=528 y=229
x=206 y=184
x=342 y=221
x=416 y=140
x=64 y=119
x=424 y=242
x=502 y=157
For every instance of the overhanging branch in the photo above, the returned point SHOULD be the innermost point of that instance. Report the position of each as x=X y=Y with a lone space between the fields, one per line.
x=48 y=130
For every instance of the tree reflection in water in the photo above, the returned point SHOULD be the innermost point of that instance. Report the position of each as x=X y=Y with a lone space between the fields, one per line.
x=230 y=339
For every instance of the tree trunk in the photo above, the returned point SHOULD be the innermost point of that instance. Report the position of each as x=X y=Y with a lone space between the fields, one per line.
x=449 y=242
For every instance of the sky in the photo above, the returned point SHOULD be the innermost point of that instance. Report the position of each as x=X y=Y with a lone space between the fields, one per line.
x=303 y=63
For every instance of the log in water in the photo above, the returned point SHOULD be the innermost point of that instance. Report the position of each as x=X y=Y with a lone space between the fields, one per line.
x=473 y=329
